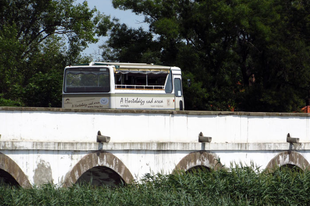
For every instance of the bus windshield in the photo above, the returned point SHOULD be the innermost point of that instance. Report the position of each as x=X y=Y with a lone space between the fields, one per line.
x=87 y=80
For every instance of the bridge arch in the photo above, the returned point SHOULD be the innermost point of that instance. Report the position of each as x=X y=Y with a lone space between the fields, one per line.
x=11 y=171
x=290 y=158
x=96 y=161
x=198 y=159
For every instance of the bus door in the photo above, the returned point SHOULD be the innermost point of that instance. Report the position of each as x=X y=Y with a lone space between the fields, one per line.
x=178 y=92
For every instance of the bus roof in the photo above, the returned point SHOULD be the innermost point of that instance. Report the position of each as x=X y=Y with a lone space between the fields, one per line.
x=130 y=66
x=121 y=65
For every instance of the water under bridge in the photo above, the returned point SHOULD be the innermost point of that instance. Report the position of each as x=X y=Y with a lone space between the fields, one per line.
x=64 y=146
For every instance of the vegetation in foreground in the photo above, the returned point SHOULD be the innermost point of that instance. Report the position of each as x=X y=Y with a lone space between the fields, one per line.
x=242 y=185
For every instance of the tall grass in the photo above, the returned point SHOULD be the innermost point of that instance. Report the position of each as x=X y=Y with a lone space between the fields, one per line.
x=239 y=185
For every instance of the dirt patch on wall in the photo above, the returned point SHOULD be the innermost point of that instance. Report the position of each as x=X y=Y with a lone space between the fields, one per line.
x=43 y=173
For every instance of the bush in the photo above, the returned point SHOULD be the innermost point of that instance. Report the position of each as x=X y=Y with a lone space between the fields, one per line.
x=9 y=102
x=241 y=185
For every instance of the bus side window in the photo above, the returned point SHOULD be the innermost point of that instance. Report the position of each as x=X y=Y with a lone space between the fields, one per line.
x=177 y=87
x=168 y=88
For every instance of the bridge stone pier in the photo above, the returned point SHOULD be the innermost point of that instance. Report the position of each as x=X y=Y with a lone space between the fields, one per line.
x=60 y=146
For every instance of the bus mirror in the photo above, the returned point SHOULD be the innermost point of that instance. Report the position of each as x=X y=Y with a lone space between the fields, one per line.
x=189 y=82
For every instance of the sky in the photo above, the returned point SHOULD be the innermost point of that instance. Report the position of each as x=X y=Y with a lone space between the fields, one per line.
x=106 y=7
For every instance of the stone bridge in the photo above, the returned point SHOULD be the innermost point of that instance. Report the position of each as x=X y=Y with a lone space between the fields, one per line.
x=62 y=146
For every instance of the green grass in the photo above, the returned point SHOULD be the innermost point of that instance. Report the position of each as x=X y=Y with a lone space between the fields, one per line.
x=240 y=185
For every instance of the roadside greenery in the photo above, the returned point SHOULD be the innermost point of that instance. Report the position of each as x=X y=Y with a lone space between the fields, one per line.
x=37 y=40
x=246 y=55
x=239 y=55
x=240 y=185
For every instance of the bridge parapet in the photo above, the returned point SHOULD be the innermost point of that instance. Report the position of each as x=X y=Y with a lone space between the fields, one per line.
x=41 y=145
x=64 y=125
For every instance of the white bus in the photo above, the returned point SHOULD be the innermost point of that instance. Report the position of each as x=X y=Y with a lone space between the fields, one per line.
x=110 y=85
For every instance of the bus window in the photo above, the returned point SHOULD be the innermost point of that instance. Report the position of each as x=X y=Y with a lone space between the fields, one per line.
x=156 y=79
x=87 y=80
x=168 y=88
x=140 y=79
x=177 y=87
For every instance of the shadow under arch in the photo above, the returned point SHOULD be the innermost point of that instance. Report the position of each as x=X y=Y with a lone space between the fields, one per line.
x=96 y=160
x=291 y=168
x=11 y=170
x=199 y=168
x=197 y=159
x=288 y=158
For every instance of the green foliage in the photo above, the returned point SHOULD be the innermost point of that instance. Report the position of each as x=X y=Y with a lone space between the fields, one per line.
x=239 y=185
x=9 y=102
x=242 y=55
x=130 y=45
x=247 y=55
x=37 y=40
x=43 y=90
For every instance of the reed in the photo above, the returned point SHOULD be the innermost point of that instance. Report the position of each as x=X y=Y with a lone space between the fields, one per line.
x=239 y=185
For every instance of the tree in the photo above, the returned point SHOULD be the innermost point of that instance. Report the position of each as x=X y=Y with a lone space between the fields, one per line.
x=192 y=35
x=246 y=55
x=130 y=45
x=38 y=38
x=277 y=52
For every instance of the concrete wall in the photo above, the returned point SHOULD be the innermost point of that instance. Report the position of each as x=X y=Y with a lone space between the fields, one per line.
x=59 y=125
x=40 y=145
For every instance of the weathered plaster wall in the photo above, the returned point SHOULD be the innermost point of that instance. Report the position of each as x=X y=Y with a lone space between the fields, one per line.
x=59 y=125
x=64 y=167
x=41 y=145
